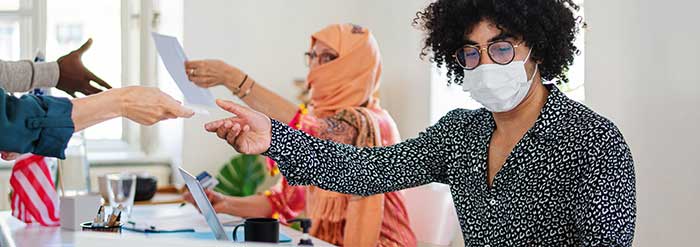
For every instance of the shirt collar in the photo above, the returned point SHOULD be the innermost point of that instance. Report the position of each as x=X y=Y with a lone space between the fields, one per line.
x=552 y=120
x=554 y=115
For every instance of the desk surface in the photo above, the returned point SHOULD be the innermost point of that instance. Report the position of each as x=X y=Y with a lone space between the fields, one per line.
x=14 y=233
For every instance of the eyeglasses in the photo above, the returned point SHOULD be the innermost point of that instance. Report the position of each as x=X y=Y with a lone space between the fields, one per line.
x=322 y=58
x=501 y=52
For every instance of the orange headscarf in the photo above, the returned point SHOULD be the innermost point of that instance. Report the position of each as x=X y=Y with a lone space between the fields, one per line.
x=352 y=79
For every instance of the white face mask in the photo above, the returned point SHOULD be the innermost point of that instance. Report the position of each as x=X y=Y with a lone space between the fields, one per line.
x=499 y=88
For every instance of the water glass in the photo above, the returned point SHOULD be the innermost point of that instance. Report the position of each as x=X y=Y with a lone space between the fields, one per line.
x=121 y=189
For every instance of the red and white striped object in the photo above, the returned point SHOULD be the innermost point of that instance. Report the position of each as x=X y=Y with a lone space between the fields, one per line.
x=34 y=197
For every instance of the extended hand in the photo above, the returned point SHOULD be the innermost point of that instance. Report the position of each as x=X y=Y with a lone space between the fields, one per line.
x=249 y=132
x=148 y=106
x=74 y=77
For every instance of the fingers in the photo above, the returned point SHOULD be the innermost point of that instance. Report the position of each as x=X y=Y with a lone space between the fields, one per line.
x=9 y=156
x=99 y=81
x=193 y=64
x=211 y=195
x=222 y=132
x=13 y=156
x=232 y=135
x=89 y=90
x=187 y=196
x=214 y=126
x=174 y=109
x=84 y=47
x=169 y=116
x=240 y=111
x=203 y=81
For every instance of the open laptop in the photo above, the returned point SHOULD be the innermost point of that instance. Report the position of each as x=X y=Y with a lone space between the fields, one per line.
x=204 y=205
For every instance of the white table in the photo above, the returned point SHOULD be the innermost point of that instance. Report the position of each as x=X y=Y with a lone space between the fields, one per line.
x=15 y=233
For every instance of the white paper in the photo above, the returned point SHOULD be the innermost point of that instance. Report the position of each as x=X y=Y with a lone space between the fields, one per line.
x=170 y=50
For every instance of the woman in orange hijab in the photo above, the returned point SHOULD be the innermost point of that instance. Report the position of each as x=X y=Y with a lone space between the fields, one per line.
x=345 y=67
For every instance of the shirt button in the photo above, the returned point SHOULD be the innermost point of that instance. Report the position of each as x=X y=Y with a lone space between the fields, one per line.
x=493 y=202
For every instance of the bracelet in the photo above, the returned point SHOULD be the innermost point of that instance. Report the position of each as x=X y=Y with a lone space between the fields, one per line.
x=247 y=91
x=238 y=90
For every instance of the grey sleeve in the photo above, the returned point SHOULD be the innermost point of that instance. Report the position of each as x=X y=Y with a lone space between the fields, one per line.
x=25 y=75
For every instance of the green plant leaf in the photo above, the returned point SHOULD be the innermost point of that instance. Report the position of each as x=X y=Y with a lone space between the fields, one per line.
x=241 y=176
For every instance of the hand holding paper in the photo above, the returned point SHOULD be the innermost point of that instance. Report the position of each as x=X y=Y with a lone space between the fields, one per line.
x=174 y=58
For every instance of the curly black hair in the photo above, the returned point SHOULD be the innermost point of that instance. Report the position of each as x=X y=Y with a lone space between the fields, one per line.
x=549 y=27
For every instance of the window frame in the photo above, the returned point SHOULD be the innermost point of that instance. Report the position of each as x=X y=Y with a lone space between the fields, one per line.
x=138 y=60
x=30 y=15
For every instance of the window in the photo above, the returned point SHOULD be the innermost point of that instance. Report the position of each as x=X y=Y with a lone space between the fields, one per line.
x=17 y=21
x=67 y=30
x=445 y=98
x=9 y=39
x=122 y=54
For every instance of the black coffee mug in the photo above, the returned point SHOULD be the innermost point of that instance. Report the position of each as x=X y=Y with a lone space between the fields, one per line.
x=260 y=230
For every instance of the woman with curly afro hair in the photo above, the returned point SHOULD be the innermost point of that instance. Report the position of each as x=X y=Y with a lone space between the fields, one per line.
x=531 y=168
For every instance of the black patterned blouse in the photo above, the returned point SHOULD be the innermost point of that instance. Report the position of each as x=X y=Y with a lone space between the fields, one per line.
x=568 y=182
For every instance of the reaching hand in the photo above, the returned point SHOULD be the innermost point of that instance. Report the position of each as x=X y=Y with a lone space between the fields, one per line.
x=218 y=201
x=74 y=77
x=249 y=132
x=148 y=106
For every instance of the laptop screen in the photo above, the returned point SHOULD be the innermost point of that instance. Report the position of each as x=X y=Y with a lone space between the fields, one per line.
x=204 y=205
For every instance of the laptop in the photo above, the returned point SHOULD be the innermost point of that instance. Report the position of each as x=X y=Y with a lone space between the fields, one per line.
x=204 y=205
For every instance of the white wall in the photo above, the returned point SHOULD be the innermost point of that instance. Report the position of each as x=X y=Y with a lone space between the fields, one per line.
x=643 y=72
x=267 y=39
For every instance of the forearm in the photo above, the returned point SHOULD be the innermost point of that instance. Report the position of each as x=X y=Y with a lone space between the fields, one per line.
x=305 y=160
x=271 y=104
x=94 y=109
x=35 y=124
x=22 y=76
x=255 y=206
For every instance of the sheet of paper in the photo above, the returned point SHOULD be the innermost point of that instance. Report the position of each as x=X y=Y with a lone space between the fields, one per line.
x=170 y=50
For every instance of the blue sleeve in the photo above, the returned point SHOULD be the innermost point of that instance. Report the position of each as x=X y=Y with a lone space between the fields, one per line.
x=35 y=124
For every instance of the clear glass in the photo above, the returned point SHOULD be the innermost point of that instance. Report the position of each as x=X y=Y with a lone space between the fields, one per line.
x=68 y=29
x=121 y=189
x=75 y=169
x=9 y=39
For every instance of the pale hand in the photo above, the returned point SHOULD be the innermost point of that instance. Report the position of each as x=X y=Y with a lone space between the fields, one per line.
x=209 y=73
x=218 y=201
x=147 y=106
x=9 y=155
x=249 y=132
